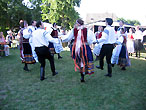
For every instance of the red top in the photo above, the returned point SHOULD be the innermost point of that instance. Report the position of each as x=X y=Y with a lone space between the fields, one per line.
x=54 y=33
x=84 y=34
x=130 y=36
x=98 y=35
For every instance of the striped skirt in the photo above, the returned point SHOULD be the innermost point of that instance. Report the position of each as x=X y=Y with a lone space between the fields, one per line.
x=27 y=52
x=84 y=61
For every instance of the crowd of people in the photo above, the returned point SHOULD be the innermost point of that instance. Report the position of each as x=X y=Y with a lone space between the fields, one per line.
x=10 y=41
x=38 y=43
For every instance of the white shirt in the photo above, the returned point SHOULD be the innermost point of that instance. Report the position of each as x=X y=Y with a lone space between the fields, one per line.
x=90 y=36
x=138 y=35
x=42 y=38
x=120 y=39
x=108 y=36
x=26 y=33
x=31 y=28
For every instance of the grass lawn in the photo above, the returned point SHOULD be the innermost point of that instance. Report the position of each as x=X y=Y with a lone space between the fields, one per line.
x=20 y=90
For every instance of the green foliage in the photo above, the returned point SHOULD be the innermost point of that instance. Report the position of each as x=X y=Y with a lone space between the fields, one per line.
x=60 y=11
x=12 y=11
x=131 y=22
x=34 y=5
x=21 y=90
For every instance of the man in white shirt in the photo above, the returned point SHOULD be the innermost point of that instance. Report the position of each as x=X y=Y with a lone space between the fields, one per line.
x=108 y=38
x=40 y=40
x=138 y=39
x=32 y=27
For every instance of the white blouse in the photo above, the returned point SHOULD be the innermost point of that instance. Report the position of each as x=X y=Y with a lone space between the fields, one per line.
x=90 y=36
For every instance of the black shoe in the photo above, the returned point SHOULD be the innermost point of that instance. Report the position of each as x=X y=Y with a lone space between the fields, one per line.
x=60 y=57
x=123 y=68
x=109 y=75
x=55 y=73
x=42 y=78
x=82 y=80
x=26 y=69
x=99 y=67
x=113 y=65
x=82 y=77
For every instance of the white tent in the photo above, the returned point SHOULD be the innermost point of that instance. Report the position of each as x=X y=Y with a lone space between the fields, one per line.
x=104 y=24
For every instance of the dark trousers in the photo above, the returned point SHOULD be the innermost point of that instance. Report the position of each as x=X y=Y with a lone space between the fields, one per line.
x=138 y=46
x=106 y=50
x=44 y=53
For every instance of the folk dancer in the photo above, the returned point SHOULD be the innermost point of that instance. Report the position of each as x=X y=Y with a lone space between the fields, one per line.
x=108 y=38
x=121 y=25
x=81 y=51
x=55 y=48
x=98 y=47
x=31 y=29
x=120 y=54
x=40 y=40
x=25 y=47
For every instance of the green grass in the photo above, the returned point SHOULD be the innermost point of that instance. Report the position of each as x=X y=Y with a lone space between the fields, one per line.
x=20 y=90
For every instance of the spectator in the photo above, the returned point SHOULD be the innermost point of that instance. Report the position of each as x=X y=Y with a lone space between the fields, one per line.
x=138 y=39
x=130 y=42
x=9 y=38
x=6 y=47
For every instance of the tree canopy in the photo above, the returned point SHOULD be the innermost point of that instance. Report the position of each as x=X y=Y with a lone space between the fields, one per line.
x=131 y=22
x=60 y=11
x=12 y=11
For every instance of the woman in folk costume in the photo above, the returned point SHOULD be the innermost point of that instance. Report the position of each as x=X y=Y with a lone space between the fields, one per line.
x=31 y=29
x=130 y=42
x=120 y=53
x=98 y=47
x=55 y=48
x=81 y=51
x=25 y=48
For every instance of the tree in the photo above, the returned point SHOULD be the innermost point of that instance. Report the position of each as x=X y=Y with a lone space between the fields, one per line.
x=34 y=6
x=60 y=11
x=12 y=11
x=131 y=22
